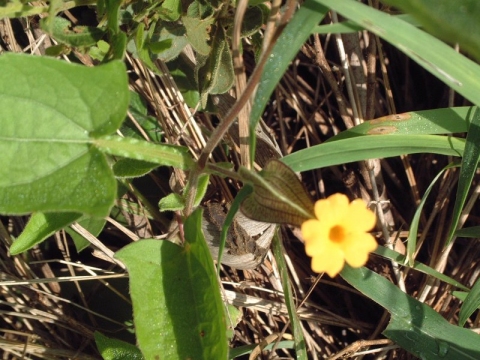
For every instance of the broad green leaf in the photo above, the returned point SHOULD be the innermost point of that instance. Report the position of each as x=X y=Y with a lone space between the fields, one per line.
x=279 y=253
x=47 y=122
x=428 y=122
x=288 y=44
x=471 y=304
x=63 y=31
x=161 y=154
x=454 y=69
x=371 y=147
x=278 y=195
x=415 y=326
x=39 y=227
x=114 y=349
x=454 y=21
x=178 y=311
x=468 y=169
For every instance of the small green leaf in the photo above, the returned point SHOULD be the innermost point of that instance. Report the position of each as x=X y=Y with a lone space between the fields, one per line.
x=174 y=202
x=185 y=79
x=39 y=227
x=214 y=73
x=178 y=311
x=198 y=33
x=170 y=10
x=254 y=18
x=114 y=349
x=18 y=9
x=132 y=168
x=235 y=315
x=171 y=202
x=112 y=8
x=471 y=304
x=170 y=31
x=222 y=70
x=58 y=50
x=48 y=163
x=278 y=196
x=160 y=46
x=93 y=225
x=75 y=36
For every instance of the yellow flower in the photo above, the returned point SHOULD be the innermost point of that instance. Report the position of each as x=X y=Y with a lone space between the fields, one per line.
x=339 y=234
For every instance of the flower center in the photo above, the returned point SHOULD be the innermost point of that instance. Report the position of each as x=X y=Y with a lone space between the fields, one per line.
x=337 y=233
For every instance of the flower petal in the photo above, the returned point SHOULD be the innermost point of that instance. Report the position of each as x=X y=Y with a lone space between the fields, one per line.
x=310 y=229
x=358 y=217
x=331 y=209
x=330 y=262
x=357 y=247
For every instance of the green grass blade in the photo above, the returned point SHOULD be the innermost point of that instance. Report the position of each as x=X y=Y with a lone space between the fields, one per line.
x=279 y=253
x=427 y=122
x=401 y=259
x=471 y=303
x=471 y=232
x=467 y=171
x=412 y=236
x=454 y=69
x=454 y=21
x=415 y=326
x=288 y=44
x=371 y=147
x=346 y=27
